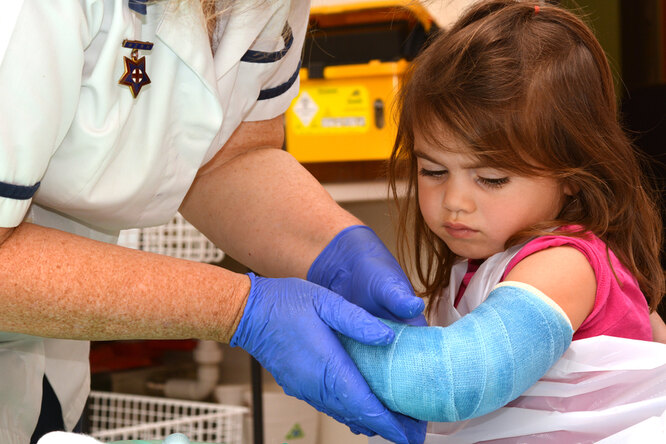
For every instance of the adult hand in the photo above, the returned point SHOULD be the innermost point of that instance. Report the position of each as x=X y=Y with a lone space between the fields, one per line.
x=357 y=266
x=289 y=326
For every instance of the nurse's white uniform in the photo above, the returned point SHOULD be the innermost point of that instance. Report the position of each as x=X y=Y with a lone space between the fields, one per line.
x=101 y=160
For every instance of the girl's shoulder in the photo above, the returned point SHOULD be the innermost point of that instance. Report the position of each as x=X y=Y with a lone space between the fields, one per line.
x=561 y=270
x=591 y=246
x=596 y=252
x=619 y=307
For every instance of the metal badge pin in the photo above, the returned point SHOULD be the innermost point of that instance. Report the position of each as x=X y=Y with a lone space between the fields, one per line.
x=135 y=76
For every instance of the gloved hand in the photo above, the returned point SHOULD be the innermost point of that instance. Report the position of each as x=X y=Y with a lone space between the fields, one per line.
x=289 y=326
x=357 y=266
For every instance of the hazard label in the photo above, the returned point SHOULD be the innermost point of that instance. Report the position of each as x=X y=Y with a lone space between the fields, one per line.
x=331 y=109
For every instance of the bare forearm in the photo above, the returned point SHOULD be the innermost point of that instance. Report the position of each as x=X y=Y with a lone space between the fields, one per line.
x=266 y=211
x=54 y=284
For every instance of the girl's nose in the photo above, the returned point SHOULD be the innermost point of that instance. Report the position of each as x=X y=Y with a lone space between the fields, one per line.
x=457 y=197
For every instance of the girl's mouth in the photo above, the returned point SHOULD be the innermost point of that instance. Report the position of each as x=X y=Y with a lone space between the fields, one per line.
x=459 y=231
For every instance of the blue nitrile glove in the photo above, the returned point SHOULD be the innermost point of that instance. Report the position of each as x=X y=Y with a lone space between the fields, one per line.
x=289 y=326
x=357 y=266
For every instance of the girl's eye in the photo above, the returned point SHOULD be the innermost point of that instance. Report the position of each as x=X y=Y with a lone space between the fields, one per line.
x=493 y=183
x=432 y=173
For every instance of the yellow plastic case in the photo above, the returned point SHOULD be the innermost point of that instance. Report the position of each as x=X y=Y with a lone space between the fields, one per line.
x=344 y=112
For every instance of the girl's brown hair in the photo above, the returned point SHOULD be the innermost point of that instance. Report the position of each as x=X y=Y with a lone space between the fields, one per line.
x=528 y=88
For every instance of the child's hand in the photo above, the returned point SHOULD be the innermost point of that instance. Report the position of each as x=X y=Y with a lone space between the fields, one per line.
x=658 y=328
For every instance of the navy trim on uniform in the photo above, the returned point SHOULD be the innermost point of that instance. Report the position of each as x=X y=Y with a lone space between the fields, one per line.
x=269 y=93
x=252 y=56
x=50 y=415
x=137 y=6
x=19 y=192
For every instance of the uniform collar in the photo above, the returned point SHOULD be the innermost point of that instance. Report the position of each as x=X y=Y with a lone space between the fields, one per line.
x=243 y=26
x=182 y=31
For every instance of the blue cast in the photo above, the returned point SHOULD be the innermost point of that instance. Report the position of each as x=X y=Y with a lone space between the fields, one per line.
x=476 y=365
x=289 y=326
x=357 y=266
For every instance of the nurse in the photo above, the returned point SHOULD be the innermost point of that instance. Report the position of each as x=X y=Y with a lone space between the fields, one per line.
x=117 y=114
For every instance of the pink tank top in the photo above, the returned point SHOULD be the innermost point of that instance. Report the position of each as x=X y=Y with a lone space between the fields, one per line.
x=620 y=308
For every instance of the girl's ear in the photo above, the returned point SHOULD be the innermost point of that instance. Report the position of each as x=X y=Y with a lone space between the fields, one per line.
x=570 y=188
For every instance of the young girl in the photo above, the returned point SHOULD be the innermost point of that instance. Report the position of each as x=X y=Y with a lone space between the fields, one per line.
x=532 y=225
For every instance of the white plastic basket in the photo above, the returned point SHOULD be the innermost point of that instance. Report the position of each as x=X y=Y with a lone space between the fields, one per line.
x=117 y=416
x=178 y=238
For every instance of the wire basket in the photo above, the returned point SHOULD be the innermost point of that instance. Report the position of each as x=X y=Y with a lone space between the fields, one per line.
x=177 y=238
x=117 y=416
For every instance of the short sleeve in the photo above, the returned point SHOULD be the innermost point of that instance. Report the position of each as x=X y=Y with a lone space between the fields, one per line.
x=282 y=66
x=41 y=61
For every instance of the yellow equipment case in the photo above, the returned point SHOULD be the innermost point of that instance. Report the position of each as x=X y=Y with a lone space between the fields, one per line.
x=353 y=59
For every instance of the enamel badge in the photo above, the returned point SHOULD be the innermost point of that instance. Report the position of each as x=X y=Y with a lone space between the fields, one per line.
x=135 y=76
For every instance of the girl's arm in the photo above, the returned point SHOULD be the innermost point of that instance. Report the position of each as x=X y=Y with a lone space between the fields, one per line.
x=492 y=355
x=472 y=367
x=565 y=275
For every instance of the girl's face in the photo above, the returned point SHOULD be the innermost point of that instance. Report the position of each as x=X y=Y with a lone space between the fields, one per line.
x=475 y=209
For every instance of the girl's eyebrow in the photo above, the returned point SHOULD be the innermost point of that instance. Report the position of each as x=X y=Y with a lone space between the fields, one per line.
x=423 y=155
x=474 y=164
